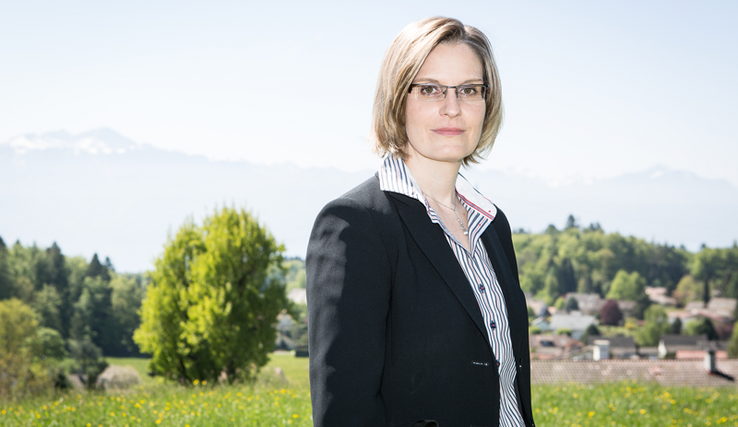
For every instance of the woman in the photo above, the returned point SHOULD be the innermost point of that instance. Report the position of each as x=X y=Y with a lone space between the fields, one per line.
x=416 y=317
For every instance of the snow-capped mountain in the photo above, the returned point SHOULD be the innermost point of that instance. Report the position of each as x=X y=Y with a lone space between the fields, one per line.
x=102 y=192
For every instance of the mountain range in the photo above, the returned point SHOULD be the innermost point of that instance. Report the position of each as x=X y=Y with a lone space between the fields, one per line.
x=100 y=192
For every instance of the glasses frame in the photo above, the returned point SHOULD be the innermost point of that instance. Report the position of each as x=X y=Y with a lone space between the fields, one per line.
x=445 y=91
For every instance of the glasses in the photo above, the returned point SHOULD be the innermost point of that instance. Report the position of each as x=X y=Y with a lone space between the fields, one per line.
x=432 y=92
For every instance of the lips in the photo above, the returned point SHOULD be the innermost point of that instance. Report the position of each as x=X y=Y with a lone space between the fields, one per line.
x=448 y=131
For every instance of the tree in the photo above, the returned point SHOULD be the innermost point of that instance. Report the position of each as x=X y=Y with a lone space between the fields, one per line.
x=47 y=305
x=95 y=269
x=627 y=286
x=656 y=324
x=676 y=327
x=733 y=344
x=687 y=290
x=213 y=300
x=610 y=313
x=591 y=331
x=126 y=300
x=571 y=222
x=642 y=304
x=93 y=315
x=88 y=362
x=701 y=327
x=18 y=326
x=560 y=304
x=6 y=285
x=571 y=304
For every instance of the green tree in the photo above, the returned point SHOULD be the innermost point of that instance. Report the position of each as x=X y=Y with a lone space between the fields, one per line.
x=676 y=327
x=571 y=304
x=591 y=331
x=6 y=284
x=213 y=300
x=656 y=324
x=687 y=290
x=93 y=315
x=733 y=344
x=47 y=305
x=96 y=269
x=18 y=326
x=627 y=286
x=126 y=301
x=701 y=327
x=88 y=362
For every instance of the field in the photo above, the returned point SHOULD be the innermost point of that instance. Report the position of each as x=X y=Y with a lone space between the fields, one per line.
x=284 y=399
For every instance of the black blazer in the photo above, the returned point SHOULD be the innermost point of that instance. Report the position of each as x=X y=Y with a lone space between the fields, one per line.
x=396 y=335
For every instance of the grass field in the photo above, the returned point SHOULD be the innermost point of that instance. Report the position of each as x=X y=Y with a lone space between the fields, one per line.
x=284 y=400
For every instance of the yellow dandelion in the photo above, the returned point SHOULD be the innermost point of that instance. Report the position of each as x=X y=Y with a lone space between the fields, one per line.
x=204 y=382
x=642 y=411
x=295 y=416
x=196 y=382
x=590 y=414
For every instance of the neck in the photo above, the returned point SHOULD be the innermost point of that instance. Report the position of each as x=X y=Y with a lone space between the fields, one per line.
x=436 y=179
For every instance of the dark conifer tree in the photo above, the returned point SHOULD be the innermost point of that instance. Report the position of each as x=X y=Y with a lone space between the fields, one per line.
x=6 y=286
x=95 y=269
x=676 y=327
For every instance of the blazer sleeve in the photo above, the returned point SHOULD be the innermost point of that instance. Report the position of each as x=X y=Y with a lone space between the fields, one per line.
x=348 y=294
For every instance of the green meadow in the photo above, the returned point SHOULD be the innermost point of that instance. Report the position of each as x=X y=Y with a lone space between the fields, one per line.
x=280 y=399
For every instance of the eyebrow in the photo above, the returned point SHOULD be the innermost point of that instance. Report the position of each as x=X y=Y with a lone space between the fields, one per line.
x=431 y=80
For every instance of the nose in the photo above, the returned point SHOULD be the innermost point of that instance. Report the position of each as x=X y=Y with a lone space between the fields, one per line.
x=451 y=106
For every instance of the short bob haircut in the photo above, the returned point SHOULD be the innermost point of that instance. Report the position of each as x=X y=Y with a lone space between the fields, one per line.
x=401 y=63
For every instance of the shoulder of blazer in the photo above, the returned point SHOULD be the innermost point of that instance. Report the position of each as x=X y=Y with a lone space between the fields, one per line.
x=502 y=228
x=381 y=209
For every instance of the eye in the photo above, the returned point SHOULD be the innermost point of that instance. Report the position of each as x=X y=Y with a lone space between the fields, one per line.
x=468 y=91
x=429 y=90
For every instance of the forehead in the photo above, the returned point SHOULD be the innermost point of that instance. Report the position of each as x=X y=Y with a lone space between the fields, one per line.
x=452 y=63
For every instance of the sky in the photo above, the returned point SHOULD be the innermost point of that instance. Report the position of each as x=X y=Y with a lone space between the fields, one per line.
x=592 y=89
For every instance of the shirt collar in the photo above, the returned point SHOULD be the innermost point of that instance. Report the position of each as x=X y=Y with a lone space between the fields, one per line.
x=395 y=177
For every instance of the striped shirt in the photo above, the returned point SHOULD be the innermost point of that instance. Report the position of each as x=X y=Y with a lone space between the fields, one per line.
x=394 y=176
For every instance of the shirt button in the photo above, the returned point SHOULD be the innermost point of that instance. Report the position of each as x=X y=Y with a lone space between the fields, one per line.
x=498 y=363
x=481 y=288
x=493 y=325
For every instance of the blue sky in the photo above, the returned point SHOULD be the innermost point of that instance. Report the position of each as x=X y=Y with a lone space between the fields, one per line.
x=592 y=89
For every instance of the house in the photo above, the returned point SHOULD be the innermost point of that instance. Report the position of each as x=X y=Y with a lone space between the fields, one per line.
x=542 y=324
x=658 y=296
x=576 y=322
x=546 y=347
x=684 y=345
x=620 y=347
x=626 y=307
x=723 y=307
x=694 y=306
x=588 y=303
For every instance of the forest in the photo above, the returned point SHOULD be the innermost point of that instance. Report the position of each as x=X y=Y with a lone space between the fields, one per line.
x=589 y=260
x=58 y=307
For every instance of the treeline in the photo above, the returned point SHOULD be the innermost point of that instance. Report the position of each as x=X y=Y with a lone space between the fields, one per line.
x=82 y=301
x=588 y=260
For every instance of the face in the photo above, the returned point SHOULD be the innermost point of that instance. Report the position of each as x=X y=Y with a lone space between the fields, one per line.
x=447 y=130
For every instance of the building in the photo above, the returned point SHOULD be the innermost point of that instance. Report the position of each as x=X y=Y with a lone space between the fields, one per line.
x=576 y=322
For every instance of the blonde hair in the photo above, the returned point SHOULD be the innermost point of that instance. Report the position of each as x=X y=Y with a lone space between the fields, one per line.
x=402 y=61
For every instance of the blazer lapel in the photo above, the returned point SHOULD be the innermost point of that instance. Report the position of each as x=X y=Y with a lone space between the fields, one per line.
x=432 y=242
x=514 y=299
